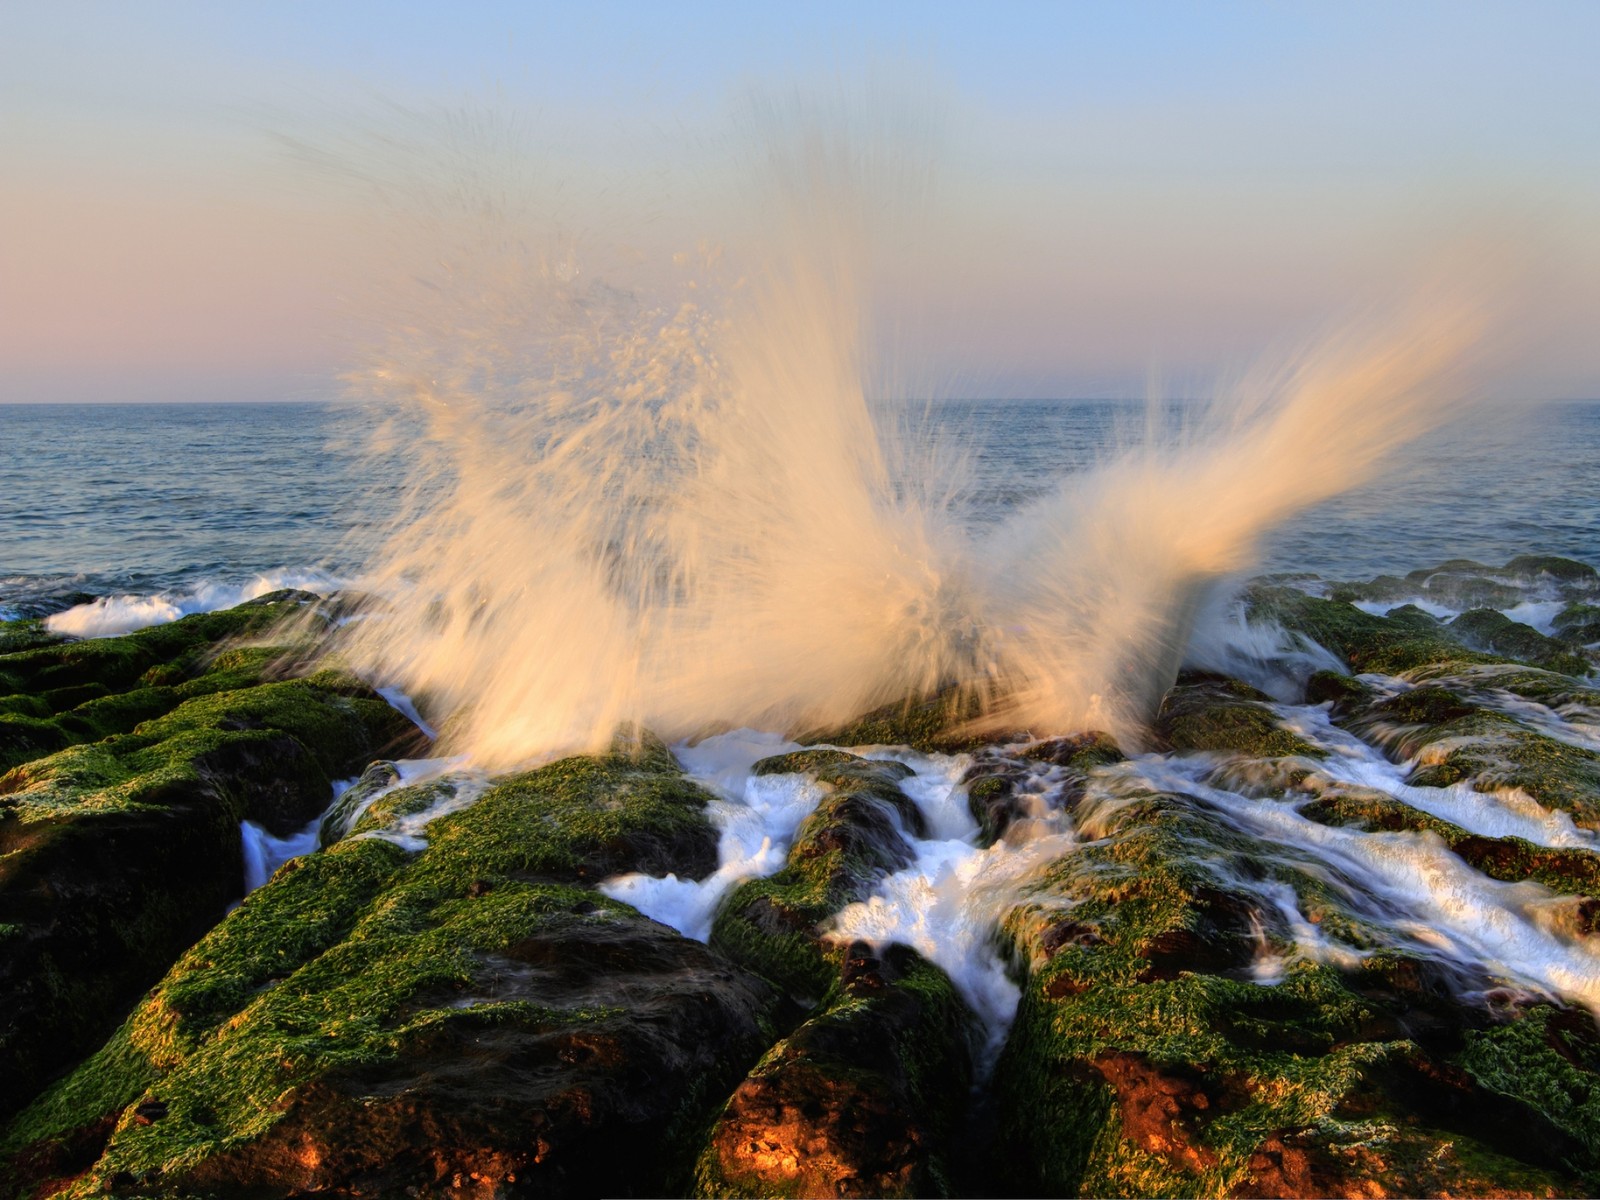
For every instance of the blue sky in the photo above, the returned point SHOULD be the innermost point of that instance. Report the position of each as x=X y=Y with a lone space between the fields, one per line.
x=1124 y=188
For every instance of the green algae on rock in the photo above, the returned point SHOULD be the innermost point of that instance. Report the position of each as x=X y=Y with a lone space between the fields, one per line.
x=1486 y=629
x=862 y=1099
x=1145 y=1060
x=852 y=838
x=450 y=1021
x=1210 y=712
x=122 y=846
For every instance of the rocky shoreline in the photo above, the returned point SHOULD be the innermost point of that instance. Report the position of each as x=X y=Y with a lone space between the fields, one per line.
x=440 y=1001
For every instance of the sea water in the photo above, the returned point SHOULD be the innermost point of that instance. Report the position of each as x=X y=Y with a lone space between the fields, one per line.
x=196 y=503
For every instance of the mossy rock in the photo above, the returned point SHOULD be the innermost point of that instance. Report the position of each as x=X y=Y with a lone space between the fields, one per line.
x=1340 y=691
x=1578 y=624
x=83 y=691
x=1382 y=590
x=1486 y=629
x=1567 y=570
x=372 y=1021
x=25 y=633
x=1208 y=712
x=119 y=825
x=117 y=854
x=854 y=836
x=1491 y=751
x=999 y=782
x=1367 y=643
x=936 y=724
x=863 y=1099
x=378 y=778
x=1146 y=1061
x=803 y=762
x=1569 y=871
x=581 y=820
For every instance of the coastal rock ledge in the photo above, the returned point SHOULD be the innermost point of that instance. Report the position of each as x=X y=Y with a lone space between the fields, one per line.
x=440 y=1000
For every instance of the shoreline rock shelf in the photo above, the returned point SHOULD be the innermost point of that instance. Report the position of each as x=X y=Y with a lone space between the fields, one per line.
x=1208 y=1008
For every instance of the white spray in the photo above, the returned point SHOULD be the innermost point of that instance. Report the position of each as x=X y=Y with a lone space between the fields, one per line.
x=686 y=515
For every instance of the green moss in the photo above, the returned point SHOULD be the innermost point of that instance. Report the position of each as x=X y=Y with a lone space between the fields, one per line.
x=1564 y=569
x=896 y=1038
x=803 y=762
x=1213 y=713
x=1497 y=633
x=1491 y=750
x=1366 y=642
x=118 y=663
x=1338 y=689
x=364 y=955
x=25 y=633
x=1384 y=588
x=1578 y=624
x=386 y=812
x=1548 y=1060
x=134 y=840
x=937 y=723
x=1144 y=1061
x=1571 y=872
x=581 y=819
x=851 y=839
x=89 y=690
x=109 y=1080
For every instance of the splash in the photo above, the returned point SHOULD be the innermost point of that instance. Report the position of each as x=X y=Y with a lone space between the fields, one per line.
x=689 y=514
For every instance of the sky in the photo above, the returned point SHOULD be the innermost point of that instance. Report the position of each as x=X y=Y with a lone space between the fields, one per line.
x=1124 y=196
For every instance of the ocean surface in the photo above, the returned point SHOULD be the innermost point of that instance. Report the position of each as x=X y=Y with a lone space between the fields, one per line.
x=202 y=502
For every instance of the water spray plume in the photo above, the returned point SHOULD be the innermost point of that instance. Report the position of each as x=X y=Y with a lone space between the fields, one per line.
x=690 y=516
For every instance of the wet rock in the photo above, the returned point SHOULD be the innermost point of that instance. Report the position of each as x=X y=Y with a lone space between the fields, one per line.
x=1384 y=589
x=1147 y=1060
x=1578 y=624
x=1367 y=643
x=1566 y=570
x=856 y=834
x=1210 y=712
x=861 y=1100
x=462 y=1021
x=25 y=633
x=941 y=723
x=1340 y=691
x=994 y=796
x=1486 y=629
x=803 y=762
x=1000 y=782
x=378 y=778
x=1080 y=752
x=122 y=845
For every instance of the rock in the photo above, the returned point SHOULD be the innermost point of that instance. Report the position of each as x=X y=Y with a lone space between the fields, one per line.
x=1366 y=642
x=65 y=692
x=938 y=723
x=1341 y=692
x=861 y=1100
x=1578 y=624
x=855 y=835
x=24 y=633
x=379 y=777
x=1384 y=589
x=1457 y=740
x=1566 y=570
x=1210 y=712
x=999 y=781
x=462 y=1021
x=1145 y=1059
x=122 y=846
x=1486 y=629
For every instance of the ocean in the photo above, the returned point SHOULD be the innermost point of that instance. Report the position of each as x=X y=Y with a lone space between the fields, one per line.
x=199 y=502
